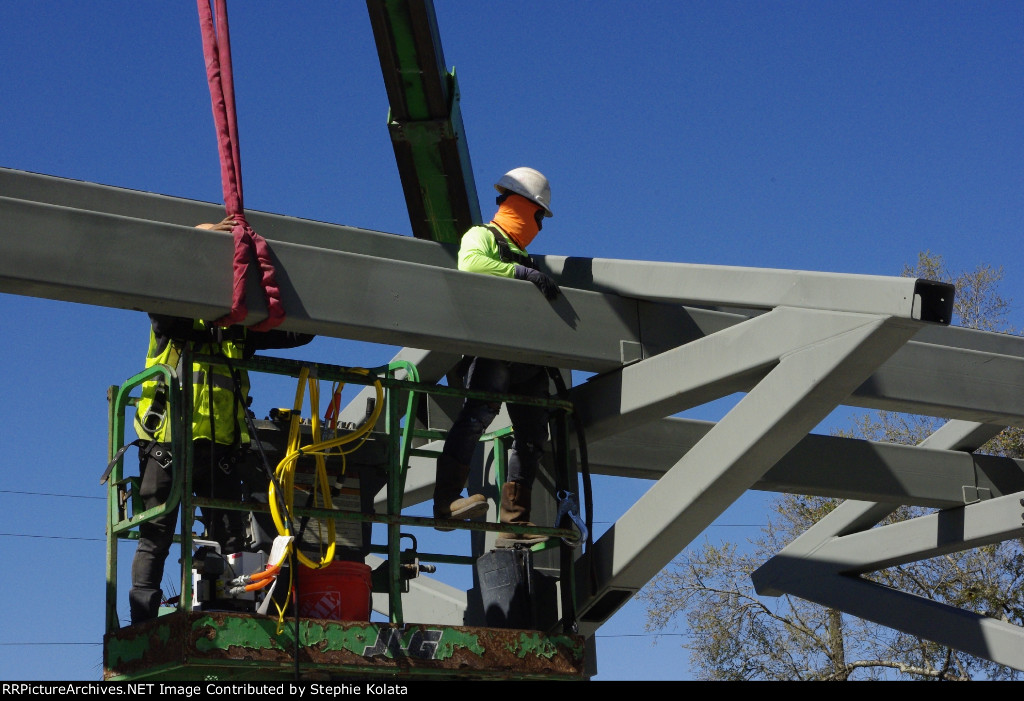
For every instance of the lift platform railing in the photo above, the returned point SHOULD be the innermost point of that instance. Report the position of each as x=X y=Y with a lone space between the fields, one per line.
x=124 y=504
x=403 y=392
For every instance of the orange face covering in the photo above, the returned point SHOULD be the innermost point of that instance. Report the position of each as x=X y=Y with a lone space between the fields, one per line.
x=515 y=217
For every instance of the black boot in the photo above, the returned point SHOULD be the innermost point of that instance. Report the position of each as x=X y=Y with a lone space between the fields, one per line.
x=144 y=604
x=448 y=503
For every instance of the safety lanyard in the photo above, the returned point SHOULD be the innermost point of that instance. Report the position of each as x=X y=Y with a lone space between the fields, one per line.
x=505 y=251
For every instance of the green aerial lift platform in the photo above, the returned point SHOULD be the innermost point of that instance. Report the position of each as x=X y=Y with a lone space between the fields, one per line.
x=208 y=634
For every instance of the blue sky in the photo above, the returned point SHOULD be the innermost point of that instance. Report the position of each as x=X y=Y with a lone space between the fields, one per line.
x=829 y=136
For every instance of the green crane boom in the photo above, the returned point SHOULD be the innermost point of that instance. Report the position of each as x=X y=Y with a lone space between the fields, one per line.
x=424 y=120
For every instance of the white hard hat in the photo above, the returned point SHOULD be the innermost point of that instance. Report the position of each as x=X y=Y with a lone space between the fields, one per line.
x=529 y=183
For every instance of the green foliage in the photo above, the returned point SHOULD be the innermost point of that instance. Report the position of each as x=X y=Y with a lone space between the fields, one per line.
x=736 y=635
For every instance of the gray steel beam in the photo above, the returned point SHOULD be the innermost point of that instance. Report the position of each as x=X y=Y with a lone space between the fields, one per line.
x=829 y=466
x=940 y=533
x=944 y=371
x=868 y=463
x=431 y=367
x=856 y=516
x=673 y=283
x=965 y=436
x=984 y=385
x=975 y=376
x=825 y=570
x=872 y=549
x=369 y=299
x=953 y=373
x=979 y=387
x=829 y=355
x=973 y=633
x=665 y=326
x=821 y=564
x=758 y=288
x=147 y=206
x=715 y=366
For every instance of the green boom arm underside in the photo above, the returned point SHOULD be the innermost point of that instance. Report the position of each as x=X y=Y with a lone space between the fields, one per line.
x=424 y=120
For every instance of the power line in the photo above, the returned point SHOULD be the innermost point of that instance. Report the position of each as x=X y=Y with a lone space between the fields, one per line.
x=54 y=537
x=26 y=644
x=640 y=635
x=48 y=494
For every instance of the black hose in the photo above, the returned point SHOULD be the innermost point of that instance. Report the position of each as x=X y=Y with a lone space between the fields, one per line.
x=281 y=505
x=588 y=499
x=254 y=437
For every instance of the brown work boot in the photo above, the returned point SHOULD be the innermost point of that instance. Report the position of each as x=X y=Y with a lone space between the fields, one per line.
x=515 y=511
x=449 y=504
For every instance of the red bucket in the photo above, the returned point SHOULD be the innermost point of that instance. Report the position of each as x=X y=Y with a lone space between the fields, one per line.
x=338 y=592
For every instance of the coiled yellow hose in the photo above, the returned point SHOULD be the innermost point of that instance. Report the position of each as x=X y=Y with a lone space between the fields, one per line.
x=285 y=472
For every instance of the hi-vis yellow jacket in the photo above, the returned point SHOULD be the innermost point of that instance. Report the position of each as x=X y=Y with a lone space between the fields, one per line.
x=215 y=406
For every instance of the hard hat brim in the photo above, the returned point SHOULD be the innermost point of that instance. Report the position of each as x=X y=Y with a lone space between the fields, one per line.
x=547 y=212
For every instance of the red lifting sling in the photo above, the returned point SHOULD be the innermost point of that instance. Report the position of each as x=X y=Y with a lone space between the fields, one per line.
x=217 y=51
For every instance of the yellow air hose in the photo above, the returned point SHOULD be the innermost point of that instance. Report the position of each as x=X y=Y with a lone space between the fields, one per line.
x=285 y=472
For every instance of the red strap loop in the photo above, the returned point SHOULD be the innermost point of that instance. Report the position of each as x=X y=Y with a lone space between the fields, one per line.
x=248 y=244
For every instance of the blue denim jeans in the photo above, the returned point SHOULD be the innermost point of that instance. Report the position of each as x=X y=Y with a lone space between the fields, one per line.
x=530 y=423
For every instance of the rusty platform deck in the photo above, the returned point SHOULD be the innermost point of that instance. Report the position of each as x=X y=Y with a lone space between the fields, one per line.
x=203 y=645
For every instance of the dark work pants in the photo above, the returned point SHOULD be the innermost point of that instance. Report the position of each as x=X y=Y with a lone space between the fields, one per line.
x=530 y=423
x=213 y=476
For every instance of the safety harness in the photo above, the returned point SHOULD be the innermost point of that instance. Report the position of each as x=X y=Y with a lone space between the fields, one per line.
x=506 y=252
x=150 y=421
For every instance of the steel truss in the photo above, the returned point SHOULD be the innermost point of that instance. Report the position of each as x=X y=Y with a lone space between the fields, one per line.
x=660 y=338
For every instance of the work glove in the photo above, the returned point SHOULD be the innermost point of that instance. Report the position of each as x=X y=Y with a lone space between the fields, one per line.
x=544 y=283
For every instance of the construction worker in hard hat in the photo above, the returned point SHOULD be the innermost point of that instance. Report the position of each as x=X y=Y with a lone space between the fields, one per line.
x=499 y=248
x=220 y=438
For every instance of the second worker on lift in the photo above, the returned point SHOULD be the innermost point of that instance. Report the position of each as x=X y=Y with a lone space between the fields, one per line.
x=499 y=248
